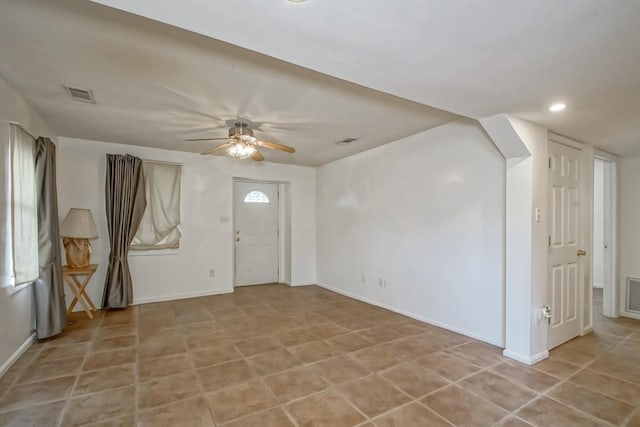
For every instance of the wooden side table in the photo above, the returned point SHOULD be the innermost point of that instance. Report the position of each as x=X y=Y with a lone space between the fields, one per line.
x=70 y=275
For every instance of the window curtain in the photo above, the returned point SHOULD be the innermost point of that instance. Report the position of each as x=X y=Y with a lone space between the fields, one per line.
x=160 y=226
x=19 y=260
x=125 y=205
x=51 y=317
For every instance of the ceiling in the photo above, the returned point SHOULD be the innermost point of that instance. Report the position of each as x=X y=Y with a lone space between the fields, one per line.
x=474 y=58
x=157 y=85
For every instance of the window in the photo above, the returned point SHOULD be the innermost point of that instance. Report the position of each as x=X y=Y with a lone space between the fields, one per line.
x=19 y=218
x=256 y=196
x=160 y=226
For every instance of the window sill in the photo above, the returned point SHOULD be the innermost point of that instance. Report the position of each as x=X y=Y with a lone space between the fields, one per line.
x=15 y=289
x=154 y=252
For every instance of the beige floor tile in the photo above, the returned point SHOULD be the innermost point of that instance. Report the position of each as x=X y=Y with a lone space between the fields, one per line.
x=63 y=352
x=412 y=348
x=634 y=421
x=116 y=331
x=572 y=355
x=161 y=347
x=412 y=415
x=207 y=356
x=39 y=371
x=463 y=408
x=526 y=376
x=225 y=375
x=549 y=413
x=609 y=386
x=447 y=365
x=22 y=395
x=119 y=317
x=201 y=340
x=442 y=339
x=603 y=407
x=327 y=330
x=100 y=406
x=620 y=368
x=241 y=400
x=378 y=357
x=414 y=379
x=274 y=417
x=380 y=334
x=407 y=329
x=313 y=351
x=114 y=343
x=353 y=323
x=373 y=395
x=294 y=384
x=126 y=421
x=325 y=409
x=71 y=337
x=40 y=416
x=513 y=421
x=273 y=361
x=295 y=337
x=498 y=390
x=163 y=366
x=108 y=359
x=258 y=345
x=93 y=381
x=478 y=353
x=557 y=368
x=185 y=413
x=165 y=390
x=339 y=369
x=349 y=342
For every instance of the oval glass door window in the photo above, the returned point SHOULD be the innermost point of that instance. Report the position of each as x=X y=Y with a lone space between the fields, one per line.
x=256 y=196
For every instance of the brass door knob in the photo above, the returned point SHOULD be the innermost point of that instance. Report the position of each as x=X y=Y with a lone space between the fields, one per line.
x=582 y=252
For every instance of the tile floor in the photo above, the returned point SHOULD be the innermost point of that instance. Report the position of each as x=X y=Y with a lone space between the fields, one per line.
x=279 y=356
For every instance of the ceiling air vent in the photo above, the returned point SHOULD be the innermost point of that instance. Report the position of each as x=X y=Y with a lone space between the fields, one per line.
x=82 y=95
x=347 y=141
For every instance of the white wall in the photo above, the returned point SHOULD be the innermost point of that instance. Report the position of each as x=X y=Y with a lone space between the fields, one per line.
x=629 y=225
x=207 y=193
x=16 y=312
x=598 y=224
x=426 y=214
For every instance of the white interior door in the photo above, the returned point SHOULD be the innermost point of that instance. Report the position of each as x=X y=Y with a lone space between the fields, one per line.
x=565 y=272
x=256 y=232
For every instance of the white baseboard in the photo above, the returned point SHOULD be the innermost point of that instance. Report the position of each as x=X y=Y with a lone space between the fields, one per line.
x=408 y=314
x=630 y=315
x=15 y=356
x=182 y=296
x=295 y=285
x=529 y=360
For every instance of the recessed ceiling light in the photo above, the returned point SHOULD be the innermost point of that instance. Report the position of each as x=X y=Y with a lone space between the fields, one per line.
x=558 y=106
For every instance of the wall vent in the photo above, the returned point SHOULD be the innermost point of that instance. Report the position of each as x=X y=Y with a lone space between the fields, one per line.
x=633 y=295
x=348 y=140
x=82 y=95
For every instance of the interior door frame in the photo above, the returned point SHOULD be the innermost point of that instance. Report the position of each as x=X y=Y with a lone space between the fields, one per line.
x=610 y=305
x=585 y=232
x=281 y=221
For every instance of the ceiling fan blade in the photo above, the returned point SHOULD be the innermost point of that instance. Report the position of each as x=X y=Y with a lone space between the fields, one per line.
x=216 y=148
x=257 y=156
x=205 y=139
x=275 y=146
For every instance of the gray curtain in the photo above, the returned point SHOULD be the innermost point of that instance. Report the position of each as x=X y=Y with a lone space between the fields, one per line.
x=51 y=316
x=125 y=200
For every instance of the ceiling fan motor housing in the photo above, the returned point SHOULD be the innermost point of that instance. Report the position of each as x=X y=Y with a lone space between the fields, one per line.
x=240 y=129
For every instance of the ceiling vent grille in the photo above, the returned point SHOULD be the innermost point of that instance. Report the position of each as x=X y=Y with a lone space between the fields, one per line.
x=633 y=295
x=82 y=95
x=347 y=141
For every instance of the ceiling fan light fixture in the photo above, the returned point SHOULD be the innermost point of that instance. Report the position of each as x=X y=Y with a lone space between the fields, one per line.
x=241 y=150
x=558 y=106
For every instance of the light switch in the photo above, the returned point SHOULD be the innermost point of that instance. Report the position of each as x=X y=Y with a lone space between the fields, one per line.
x=538 y=214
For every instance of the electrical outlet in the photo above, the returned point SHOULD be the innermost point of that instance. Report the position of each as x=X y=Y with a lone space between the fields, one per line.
x=363 y=279
x=212 y=272
x=384 y=283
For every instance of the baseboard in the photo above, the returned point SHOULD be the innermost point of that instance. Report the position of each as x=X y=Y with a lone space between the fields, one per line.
x=408 y=314
x=182 y=296
x=24 y=347
x=630 y=315
x=295 y=285
x=529 y=360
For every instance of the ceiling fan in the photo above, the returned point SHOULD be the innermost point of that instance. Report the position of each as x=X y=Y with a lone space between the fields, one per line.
x=241 y=143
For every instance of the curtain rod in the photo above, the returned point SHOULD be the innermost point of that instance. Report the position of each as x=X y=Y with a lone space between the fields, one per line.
x=23 y=129
x=163 y=162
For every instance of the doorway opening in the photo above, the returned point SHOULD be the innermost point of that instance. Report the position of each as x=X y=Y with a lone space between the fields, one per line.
x=261 y=232
x=603 y=261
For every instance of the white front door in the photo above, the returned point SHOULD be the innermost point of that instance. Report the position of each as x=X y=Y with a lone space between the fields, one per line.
x=565 y=271
x=256 y=232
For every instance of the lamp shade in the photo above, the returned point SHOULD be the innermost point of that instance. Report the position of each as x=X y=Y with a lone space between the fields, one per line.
x=79 y=224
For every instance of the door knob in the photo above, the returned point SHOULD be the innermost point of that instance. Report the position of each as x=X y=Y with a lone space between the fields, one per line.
x=582 y=252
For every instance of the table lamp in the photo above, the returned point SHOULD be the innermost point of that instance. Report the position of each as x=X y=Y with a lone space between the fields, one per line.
x=76 y=230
